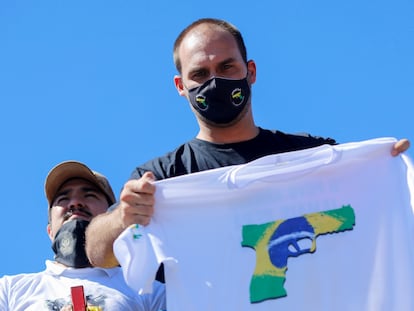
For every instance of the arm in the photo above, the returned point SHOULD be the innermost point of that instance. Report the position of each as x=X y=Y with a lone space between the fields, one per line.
x=136 y=206
x=400 y=146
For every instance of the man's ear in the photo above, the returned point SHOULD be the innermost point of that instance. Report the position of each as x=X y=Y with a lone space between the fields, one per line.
x=251 y=69
x=178 y=82
x=49 y=231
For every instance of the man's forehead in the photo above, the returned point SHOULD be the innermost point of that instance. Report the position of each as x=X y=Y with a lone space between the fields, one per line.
x=205 y=33
x=197 y=49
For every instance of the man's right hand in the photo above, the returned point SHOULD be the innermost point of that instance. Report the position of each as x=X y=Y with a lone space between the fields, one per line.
x=136 y=206
x=136 y=201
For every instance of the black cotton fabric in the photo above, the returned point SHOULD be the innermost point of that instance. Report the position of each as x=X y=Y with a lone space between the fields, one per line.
x=198 y=155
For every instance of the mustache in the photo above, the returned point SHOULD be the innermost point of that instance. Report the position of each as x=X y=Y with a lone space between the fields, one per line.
x=72 y=210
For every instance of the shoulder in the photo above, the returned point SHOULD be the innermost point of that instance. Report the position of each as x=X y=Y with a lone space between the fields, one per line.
x=22 y=277
x=172 y=163
x=301 y=139
x=20 y=291
x=20 y=283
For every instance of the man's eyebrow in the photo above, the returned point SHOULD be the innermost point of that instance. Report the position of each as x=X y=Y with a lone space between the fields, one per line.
x=221 y=63
x=91 y=188
x=85 y=189
x=62 y=192
x=59 y=194
x=196 y=69
x=227 y=60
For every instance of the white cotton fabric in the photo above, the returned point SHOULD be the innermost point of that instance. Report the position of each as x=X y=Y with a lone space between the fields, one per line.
x=50 y=290
x=196 y=232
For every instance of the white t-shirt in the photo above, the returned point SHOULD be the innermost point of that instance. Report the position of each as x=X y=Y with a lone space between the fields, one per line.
x=50 y=290
x=327 y=228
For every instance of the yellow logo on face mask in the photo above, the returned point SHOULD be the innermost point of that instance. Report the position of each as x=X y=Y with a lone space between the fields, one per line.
x=237 y=97
x=201 y=102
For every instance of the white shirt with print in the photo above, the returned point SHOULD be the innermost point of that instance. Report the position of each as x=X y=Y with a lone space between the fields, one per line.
x=51 y=289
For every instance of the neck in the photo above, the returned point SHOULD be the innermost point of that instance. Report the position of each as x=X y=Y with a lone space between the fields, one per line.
x=238 y=132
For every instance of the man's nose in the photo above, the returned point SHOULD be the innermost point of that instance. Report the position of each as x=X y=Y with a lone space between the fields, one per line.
x=76 y=202
x=211 y=76
x=207 y=78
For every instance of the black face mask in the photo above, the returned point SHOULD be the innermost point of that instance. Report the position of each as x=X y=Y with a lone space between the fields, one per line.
x=220 y=100
x=69 y=244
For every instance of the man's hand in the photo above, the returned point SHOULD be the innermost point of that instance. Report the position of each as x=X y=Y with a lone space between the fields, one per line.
x=136 y=205
x=400 y=146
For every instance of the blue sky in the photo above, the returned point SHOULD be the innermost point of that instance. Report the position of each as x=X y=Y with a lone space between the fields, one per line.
x=93 y=81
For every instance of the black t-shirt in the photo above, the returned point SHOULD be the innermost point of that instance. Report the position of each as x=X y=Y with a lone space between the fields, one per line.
x=199 y=155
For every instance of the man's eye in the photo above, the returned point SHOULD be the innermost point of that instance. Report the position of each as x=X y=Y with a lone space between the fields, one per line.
x=61 y=200
x=91 y=195
x=199 y=74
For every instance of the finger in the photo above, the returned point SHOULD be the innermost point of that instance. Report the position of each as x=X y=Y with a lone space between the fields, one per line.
x=141 y=215
x=141 y=220
x=142 y=209
x=400 y=146
x=143 y=185
x=149 y=176
x=134 y=213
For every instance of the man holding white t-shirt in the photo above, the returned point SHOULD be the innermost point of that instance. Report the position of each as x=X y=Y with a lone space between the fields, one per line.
x=216 y=77
x=326 y=228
